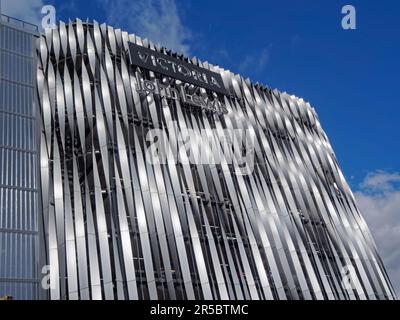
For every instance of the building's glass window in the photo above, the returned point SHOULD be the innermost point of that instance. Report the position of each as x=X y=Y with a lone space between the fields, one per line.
x=18 y=186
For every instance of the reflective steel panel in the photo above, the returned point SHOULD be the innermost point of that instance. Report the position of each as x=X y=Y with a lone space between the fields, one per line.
x=278 y=223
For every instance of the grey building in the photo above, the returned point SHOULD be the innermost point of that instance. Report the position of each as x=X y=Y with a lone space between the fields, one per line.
x=19 y=186
x=118 y=225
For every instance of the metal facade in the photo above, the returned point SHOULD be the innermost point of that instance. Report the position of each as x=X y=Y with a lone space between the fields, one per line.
x=117 y=227
x=19 y=233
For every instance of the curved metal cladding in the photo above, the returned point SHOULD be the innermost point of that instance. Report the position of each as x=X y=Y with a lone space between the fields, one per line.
x=119 y=227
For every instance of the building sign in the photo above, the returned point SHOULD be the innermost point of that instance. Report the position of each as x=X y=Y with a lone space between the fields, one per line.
x=175 y=68
x=155 y=87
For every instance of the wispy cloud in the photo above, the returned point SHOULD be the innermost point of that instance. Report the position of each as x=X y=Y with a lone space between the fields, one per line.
x=158 y=21
x=255 y=62
x=295 y=40
x=381 y=182
x=26 y=10
x=379 y=202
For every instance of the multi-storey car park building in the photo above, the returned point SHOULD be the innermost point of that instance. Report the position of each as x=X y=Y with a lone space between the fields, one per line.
x=117 y=225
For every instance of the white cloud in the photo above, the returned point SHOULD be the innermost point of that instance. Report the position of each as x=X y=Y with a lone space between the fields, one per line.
x=379 y=202
x=26 y=10
x=255 y=62
x=158 y=21
x=380 y=182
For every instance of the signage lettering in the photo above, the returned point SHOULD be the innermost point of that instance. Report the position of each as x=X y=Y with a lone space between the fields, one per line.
x=175 y=68
x=205 y=103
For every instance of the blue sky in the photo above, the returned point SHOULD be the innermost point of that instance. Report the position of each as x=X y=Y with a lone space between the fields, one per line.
x=351 y=77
